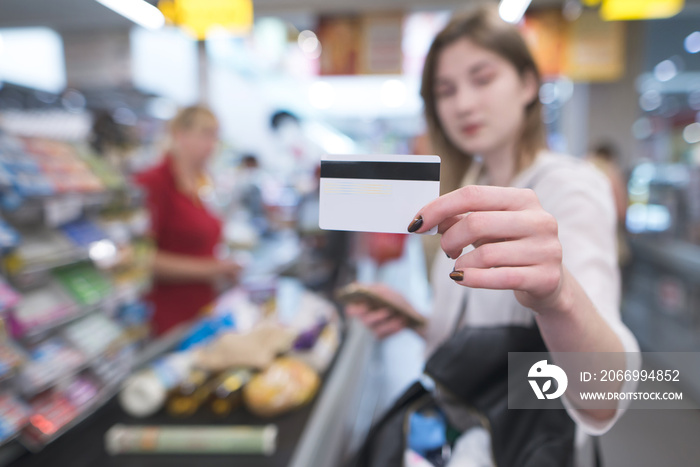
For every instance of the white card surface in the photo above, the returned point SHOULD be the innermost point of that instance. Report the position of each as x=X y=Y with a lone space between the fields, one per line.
x=376 y=193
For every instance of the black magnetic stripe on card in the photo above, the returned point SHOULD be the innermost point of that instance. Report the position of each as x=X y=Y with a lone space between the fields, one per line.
x=367 y=170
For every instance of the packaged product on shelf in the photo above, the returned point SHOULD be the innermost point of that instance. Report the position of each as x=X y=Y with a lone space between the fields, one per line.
x=22 y=173
x=81 y=392
x=110 y=178
x=145 y=392
x=121 y=439
x=13 y=415
x=50 y=412
x=286 y=385
x=135 y=318
x=9 y=237
x=83 y=232
x=61 y=164
x=84 y=283
x=9 y=298
x=11 y=358
x=47 y=363
x=227 y=391
x=41 y=309
x=186 y=398
x=93 y=334
x=115 y=366
x=41 y=249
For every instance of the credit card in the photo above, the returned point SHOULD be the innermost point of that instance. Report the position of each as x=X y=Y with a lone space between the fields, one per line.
x=376 y=193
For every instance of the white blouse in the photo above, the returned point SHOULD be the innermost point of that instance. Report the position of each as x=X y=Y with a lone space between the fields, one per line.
x=580 y=198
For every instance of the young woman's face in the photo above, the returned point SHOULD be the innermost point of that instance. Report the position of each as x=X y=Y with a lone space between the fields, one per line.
x=480 y=98
x=199 y=142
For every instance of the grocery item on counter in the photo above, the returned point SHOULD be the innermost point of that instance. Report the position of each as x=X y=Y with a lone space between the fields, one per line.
x=122 y=439
x=227 y=391
x=206 y=330
x=307 y=339
x=255 y=349
x=185 y=398
x=320 y=355
x=237 y=303
x=286 y=385
x=145 y=392
x=357 y=292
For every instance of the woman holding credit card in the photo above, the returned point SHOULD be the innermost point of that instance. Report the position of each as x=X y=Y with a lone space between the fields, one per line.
x=528 y=236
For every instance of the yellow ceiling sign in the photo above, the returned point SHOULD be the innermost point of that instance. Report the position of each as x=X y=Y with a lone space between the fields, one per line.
x=621 y=10
x=197 y=17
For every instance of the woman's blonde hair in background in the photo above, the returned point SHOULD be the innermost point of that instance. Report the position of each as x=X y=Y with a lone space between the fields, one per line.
x=188 y=117
x=486 y=29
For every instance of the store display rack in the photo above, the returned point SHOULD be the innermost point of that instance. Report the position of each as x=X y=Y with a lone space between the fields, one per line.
x=73 y=255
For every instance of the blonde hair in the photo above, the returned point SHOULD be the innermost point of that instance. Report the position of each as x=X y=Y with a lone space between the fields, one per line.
x=188 y=117
x=485 y=28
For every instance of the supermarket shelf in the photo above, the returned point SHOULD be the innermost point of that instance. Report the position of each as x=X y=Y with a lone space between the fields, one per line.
x=107 y=393
x=57 y=380
x=117 y=344
x=80 y=312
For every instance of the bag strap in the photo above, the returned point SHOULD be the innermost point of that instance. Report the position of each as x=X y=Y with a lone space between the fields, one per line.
x=460 y=315
x=597 y=452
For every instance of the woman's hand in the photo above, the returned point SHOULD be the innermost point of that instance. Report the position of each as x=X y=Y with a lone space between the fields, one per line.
x=516 y=243
x=228 y=270
x=382 y=321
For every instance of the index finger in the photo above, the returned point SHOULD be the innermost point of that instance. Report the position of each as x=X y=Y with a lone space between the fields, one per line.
x=469 y=199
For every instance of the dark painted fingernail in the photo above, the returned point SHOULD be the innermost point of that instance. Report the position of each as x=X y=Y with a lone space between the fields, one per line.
x=457 y=276
x=448 y=256
x=416 y=224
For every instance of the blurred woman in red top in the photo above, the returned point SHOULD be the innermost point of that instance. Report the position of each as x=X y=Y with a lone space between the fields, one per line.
x=184 y=230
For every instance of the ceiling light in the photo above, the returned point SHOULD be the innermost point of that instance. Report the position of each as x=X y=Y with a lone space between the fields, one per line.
x=139 y=11
x=321 y=95
x=512 y=11
x=393 y=93
x=665 y=70
x=691 y=133
x=692 y=42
